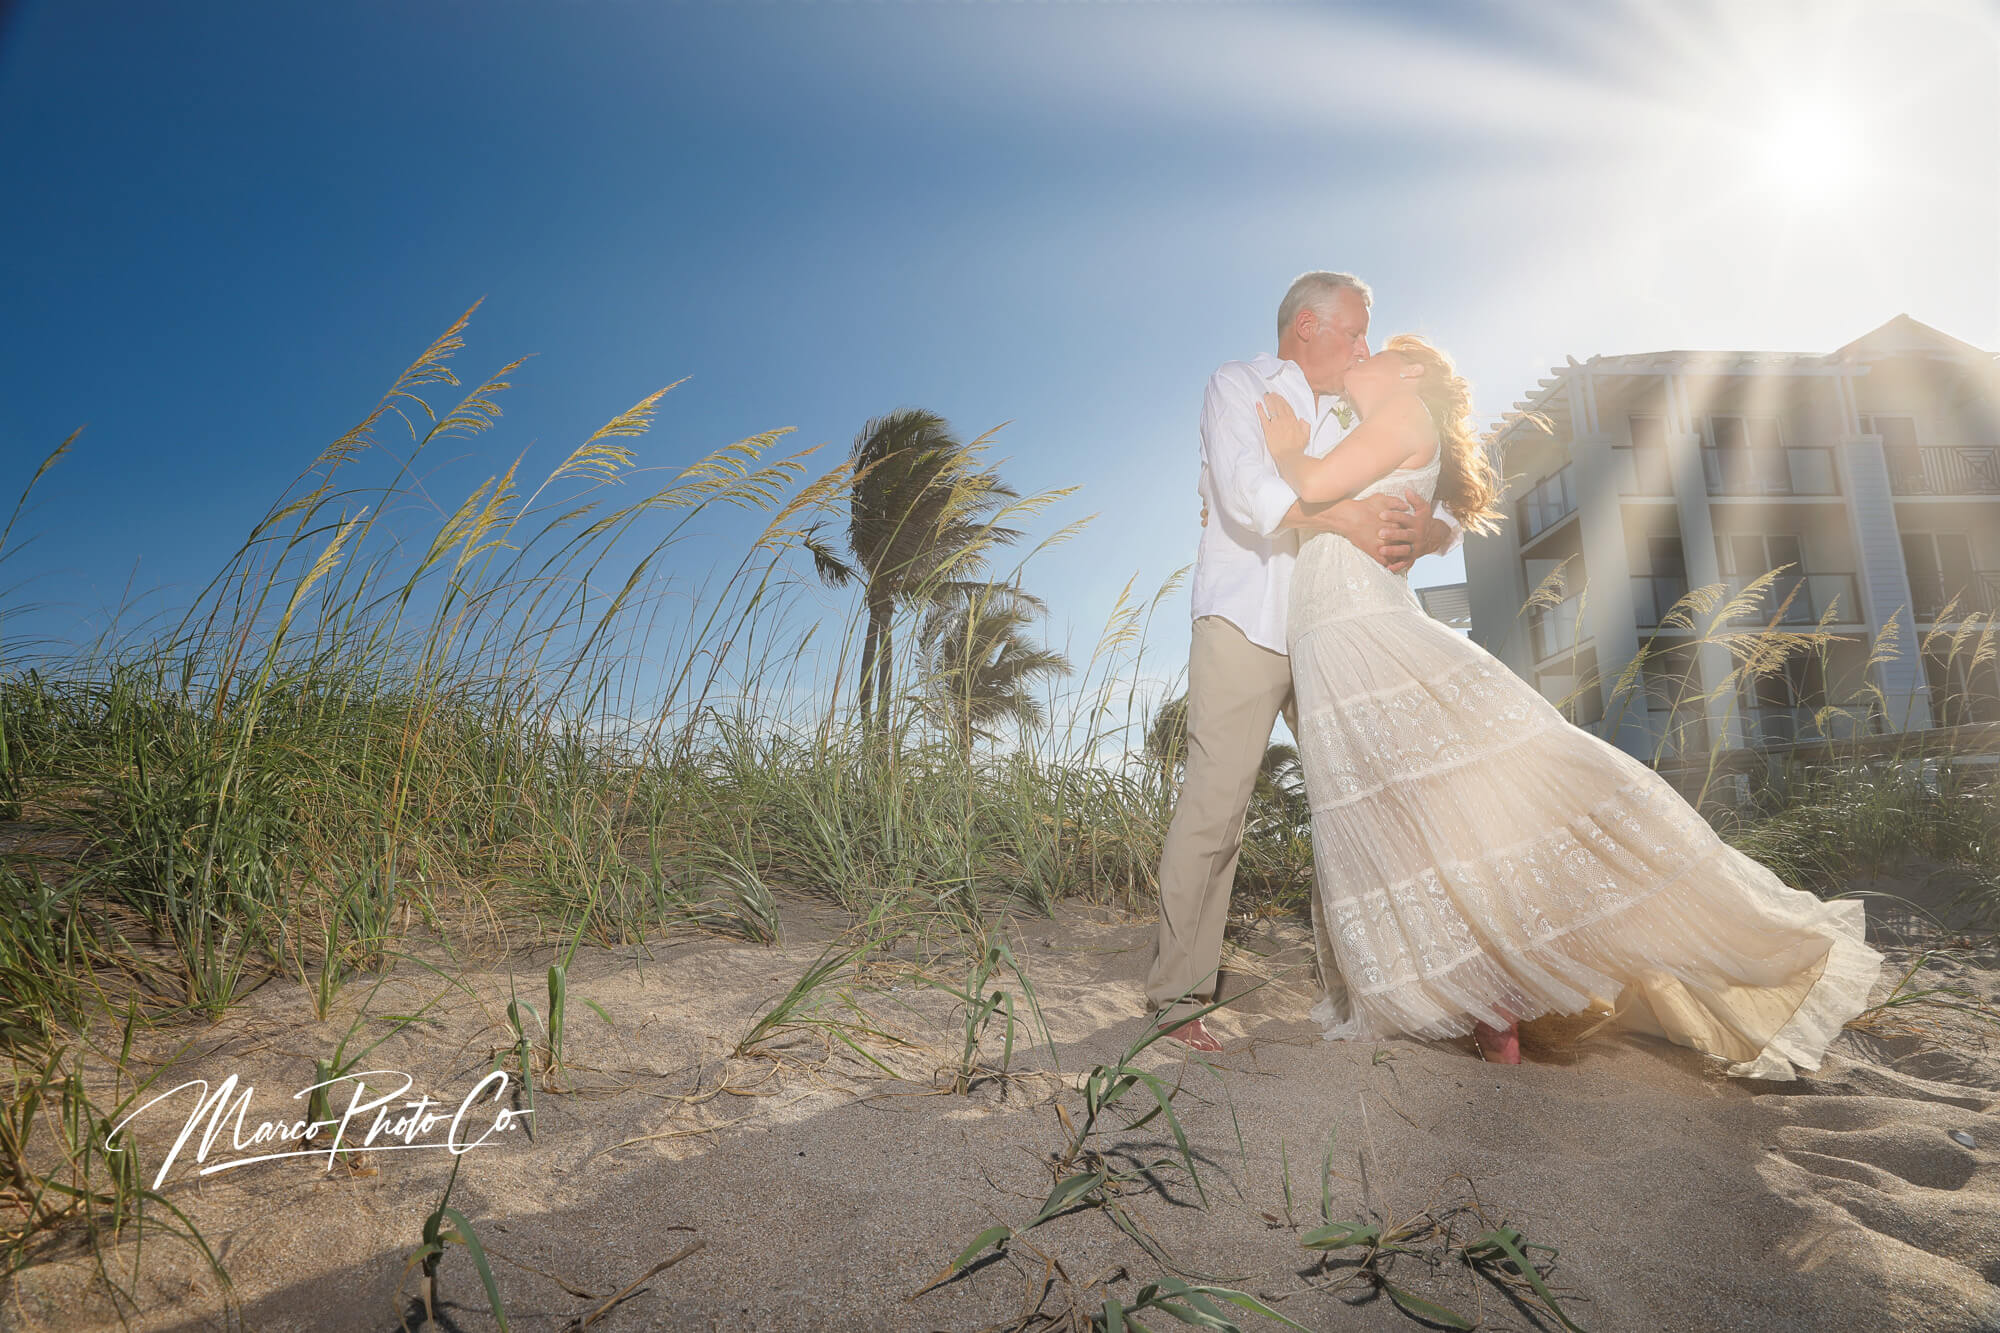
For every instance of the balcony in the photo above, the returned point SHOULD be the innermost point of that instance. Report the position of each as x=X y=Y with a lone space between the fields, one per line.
x=1653 y=595
x=1555 y=629
x=1784 y=724
x=1799 y=470
x=1678 y=733
x=1944 y=470
x=1642 y=471
x=1773 y=724
x=1928 y=597
x=1811 y=597
x=1552 y=500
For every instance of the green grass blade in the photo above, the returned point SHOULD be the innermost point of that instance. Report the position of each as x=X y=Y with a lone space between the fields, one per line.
x=1424 y=1309
x=1341 y=1235
x=470 y=1239
x=1066 y=1193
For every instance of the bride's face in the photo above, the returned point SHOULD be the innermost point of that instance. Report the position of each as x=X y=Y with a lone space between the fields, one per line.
x=1379 y=378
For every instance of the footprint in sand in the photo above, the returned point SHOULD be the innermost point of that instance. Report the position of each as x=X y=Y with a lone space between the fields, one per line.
x=1894 y=1199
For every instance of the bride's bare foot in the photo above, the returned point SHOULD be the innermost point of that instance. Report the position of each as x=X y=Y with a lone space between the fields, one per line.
x=1193 y=1034
x=1501 y=1046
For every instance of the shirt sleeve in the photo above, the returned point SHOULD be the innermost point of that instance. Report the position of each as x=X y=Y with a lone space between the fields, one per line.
x=1245 y=482
x=1457 y=538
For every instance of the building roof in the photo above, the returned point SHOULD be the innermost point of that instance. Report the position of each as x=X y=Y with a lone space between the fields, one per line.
x=1903 y=336
x=1448 y=602
x=1900 y=337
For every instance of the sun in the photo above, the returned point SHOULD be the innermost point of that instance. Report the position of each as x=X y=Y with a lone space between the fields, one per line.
x=1806 y=152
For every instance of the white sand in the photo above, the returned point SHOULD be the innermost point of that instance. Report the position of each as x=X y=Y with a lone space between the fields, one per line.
x=825 y=1197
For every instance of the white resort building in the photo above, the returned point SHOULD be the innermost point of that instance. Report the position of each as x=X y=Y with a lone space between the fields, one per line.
x=1870 y=474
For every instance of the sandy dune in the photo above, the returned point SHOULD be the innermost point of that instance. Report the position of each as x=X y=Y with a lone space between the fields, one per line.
x=823 y=1196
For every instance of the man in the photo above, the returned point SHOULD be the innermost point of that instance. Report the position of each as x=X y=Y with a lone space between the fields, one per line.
x=1239 y=678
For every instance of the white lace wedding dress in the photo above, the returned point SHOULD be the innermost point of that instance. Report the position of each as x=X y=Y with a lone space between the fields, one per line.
x=1481 y=859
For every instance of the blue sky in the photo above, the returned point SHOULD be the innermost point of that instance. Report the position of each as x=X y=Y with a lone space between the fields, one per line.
x=227 y=227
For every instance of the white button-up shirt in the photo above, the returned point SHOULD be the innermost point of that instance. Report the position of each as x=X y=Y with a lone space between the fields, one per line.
x=1243 y=571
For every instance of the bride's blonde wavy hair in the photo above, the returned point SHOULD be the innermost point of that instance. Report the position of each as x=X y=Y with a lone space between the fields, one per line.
x=1467 y=485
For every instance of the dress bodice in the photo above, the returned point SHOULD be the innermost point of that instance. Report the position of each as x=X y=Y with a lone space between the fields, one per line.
x=1423 y=480
x=1335 y=579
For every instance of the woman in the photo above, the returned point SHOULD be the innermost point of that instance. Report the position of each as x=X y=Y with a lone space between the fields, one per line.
x=1480 y=860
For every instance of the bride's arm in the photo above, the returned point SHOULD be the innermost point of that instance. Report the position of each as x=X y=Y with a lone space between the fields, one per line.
x=1371 y=451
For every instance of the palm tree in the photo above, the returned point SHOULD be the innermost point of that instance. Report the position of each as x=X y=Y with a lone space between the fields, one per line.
x=920 y=520
x=981 y=662
x=1280 y=793
x=1166 y=739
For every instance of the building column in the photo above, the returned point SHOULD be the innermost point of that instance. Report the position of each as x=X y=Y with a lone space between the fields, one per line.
x=1884 y=577
x=1497 y=589
x=1885 y=581
x=1724 y=713
x=1608 y=605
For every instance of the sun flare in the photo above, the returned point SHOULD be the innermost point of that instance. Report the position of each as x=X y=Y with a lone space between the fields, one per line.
x=1807 y=153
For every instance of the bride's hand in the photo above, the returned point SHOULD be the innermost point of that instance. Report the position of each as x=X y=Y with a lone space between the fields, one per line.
x=1284 y=433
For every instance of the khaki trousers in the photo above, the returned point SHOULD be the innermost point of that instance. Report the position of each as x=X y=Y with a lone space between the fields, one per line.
x=1236 y=690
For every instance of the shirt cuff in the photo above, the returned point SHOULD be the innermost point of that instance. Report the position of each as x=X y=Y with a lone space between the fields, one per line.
x=1270 y=502
x=1457 y=538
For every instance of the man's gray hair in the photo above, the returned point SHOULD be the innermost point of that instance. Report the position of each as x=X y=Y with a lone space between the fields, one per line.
x=1316 y=291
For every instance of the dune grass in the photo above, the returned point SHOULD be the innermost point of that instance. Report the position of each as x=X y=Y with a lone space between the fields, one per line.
x=515 y=719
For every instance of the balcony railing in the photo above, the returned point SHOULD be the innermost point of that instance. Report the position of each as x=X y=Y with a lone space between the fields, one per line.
x=1551 y=501
x=1653 y=596
x=1945 y=470
x=1799 y=470
x=1770 y=724
x=1979 y=597
x=1776 y=724
x=1556 y=628
x=1811 y=596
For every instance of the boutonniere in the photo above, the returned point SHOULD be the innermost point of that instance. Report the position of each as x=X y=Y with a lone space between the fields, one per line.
x=1343 y=414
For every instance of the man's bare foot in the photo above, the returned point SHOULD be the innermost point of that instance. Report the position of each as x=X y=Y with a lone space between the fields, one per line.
x=1193 y=1034
x=1501 y=1046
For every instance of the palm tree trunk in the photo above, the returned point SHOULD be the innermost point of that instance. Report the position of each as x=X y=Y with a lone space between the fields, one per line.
x=875 y=659
x=870 y=646
x=884 y=669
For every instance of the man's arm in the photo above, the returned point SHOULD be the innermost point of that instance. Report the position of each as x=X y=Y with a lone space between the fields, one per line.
x=1242 y=477
x=1246 y=485
x=1383 y=526
x=1443 y=532
x=1391 y=530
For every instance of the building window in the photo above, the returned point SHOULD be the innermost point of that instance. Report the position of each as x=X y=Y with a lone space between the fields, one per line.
x=1655 y=593
x=1576 y=696
x=1547 y=504
x=1651 y=473
x=1900 y=452
x=1733 y=432
x=1746 y=555
x=1675 y=703
x=1963 y=690
x=1783 y=705
x=1940 y=567
x=1747 y=456
x=1896 y=432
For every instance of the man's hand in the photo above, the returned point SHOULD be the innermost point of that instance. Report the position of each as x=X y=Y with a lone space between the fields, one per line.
x=1392 y=530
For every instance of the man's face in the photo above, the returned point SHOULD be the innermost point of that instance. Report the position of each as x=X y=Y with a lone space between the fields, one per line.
x=1334 y=342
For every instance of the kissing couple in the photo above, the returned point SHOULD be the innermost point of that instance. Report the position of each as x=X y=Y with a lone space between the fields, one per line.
x=1478 y=861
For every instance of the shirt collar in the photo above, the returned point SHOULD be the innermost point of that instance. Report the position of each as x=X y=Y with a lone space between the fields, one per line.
x=1271 y=367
